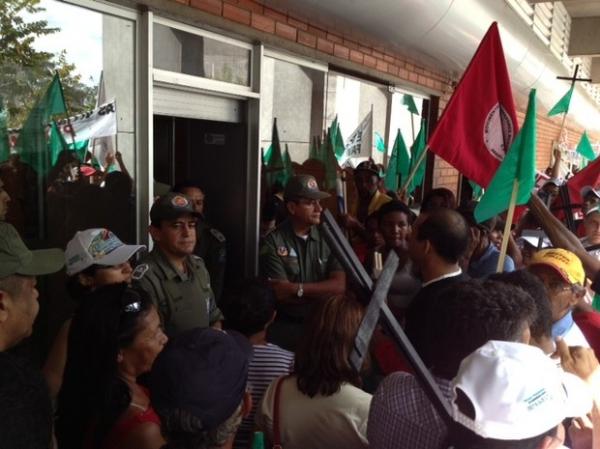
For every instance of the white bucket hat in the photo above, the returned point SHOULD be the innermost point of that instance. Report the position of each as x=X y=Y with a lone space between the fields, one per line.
x=517 y=392
x=96 y=247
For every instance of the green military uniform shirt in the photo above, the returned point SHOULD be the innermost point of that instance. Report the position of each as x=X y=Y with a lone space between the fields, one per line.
x=184 y=300
x=211 y=247
x=286 y=256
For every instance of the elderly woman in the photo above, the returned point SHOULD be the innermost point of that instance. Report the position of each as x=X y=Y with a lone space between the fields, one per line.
x=321 y=405
x=114 y=338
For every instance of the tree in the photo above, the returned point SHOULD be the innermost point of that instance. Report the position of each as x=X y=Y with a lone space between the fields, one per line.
x=25 y=72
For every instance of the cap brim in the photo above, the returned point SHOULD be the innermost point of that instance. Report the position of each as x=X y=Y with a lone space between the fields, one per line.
x=316 y=195
x=44 y=261
x=120 y=255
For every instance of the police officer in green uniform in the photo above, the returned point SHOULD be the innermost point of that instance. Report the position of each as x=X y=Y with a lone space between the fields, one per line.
x=298 y=262
x=175 y=278
x=210 y=242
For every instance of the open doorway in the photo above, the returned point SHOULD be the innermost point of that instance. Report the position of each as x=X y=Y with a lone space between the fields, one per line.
x=213 y=155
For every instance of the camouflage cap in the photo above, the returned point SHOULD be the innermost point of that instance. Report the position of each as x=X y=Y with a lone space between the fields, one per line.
x=171 y=206
x=303 y=186
x=16 y=258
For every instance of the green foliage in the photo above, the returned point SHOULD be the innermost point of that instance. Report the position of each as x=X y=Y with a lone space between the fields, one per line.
x=25 y=71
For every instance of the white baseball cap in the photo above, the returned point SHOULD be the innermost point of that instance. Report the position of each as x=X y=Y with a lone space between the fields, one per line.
x=96 y=247
x=517 y=392
x=533 y=236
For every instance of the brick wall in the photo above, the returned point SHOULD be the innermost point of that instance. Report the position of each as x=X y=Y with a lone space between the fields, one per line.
x=287 y=27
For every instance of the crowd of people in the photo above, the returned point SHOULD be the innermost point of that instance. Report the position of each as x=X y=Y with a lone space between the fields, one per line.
x=163 y=351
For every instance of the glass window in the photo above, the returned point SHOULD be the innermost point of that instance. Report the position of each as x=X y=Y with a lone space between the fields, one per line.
x=294 y=95
x=402 y=119
x=352 y=100
x=192 y=54
x=70 y=158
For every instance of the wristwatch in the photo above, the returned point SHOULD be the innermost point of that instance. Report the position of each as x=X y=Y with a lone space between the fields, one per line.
x=300 y=291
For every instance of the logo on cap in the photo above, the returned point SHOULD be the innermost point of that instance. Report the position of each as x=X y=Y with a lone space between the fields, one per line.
x=179 y=201
x=103 y=243
x=312 y=184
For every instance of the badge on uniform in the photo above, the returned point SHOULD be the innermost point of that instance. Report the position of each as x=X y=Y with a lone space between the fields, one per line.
x=218 y=235
x=140 y=271
x=282 y=251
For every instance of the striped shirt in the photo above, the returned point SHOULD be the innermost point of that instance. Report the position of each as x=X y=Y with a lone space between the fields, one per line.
x=268 y=363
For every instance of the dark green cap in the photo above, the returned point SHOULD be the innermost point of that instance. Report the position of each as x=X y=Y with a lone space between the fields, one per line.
x=16 y=258
x=171 y=206
x=303 y=186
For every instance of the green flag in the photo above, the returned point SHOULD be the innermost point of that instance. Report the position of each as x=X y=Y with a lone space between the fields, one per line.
x=518 y=164
x=288 y=170
x=409 y=101
x=32 y=139
x=276 y=169
x=331 y=162
x=563 y=104
x=584 y=147
x=57 y=143
x=336 y=139
x=477 y=190
x=267 y=155
x=416 y=150
x=4 y=145
x=379 y=143
x=399 y=164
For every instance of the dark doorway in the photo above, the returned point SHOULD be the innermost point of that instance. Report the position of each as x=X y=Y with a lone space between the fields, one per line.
x=214 y=156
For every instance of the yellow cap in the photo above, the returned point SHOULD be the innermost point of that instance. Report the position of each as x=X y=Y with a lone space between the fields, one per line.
x=564 y=262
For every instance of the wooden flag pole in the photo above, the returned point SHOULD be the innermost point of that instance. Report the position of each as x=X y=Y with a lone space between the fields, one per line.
x=413 y=172
x=507 y=226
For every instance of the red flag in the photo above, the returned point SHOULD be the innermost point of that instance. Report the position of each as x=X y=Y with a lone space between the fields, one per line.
x=479 y=123
x=589 y=176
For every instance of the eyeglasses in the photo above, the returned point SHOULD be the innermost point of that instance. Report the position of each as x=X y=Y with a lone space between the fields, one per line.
x=558 y=286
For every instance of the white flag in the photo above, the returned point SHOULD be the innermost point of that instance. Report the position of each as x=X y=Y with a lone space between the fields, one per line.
x=103 y=146
x=360 y=141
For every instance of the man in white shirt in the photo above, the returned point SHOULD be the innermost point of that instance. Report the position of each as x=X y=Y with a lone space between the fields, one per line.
x=562 y=273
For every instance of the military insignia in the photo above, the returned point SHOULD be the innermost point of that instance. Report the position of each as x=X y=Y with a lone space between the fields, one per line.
x=282 y=251
x=312 y=184
x=217 y=234
x=179 y=201
x=140 y=271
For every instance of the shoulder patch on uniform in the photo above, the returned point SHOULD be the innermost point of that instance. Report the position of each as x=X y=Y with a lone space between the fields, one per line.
x=217 y=234
x=282 y=251
x=139 y=271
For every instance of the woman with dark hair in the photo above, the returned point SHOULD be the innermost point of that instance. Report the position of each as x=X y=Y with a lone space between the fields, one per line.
x=93 y=258
x=321 y=405
x=115 y=337
x=440 y=197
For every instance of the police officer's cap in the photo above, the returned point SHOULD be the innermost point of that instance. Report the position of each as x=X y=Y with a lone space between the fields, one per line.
x=303 y=186
x=171 y=206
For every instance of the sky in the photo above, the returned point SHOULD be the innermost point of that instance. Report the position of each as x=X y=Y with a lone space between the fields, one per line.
x=80 y=34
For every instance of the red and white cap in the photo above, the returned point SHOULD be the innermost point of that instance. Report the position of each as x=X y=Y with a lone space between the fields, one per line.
x=96 y=247
x=516 y=391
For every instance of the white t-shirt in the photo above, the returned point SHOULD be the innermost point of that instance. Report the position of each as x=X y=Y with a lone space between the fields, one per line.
x=336 y=421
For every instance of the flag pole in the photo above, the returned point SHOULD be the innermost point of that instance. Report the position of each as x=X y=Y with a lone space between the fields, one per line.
x=413 y=172
x=507 y=226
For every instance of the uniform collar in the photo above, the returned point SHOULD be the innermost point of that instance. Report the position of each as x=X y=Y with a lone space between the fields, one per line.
x=167 y=267
x=287 y=226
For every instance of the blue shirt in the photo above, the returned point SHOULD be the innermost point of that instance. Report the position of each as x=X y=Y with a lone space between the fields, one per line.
x=488 y=263
x=562 y=326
